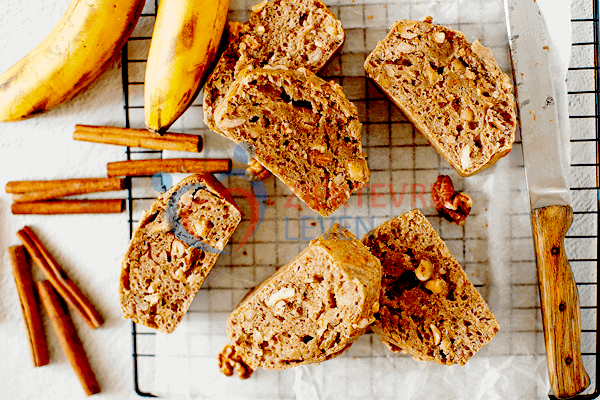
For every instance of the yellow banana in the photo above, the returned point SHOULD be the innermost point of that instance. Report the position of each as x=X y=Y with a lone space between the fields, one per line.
x=80 y=47
x=184 y=43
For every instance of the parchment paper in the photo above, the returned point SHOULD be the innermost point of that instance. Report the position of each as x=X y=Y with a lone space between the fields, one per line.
x=495 y=246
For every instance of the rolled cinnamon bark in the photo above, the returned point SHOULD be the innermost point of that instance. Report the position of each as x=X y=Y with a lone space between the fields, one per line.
x=29 y=306
x=138 y=138
x=68 y=338
x=34 y=186
x=173 y=165
x=110 y=206
x=59 y=279
x=29 y=191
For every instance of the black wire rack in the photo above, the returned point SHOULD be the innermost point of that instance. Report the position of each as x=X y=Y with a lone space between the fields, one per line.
x=583 y=84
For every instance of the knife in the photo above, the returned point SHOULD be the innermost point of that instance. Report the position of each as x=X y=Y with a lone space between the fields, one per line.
x=551 y=212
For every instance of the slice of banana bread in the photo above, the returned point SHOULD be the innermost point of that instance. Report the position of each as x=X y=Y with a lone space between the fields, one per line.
x=294 y=33
x=428 y=306
x=303 y=129
x=453 y=92
x=173 y=249
x=311 y=309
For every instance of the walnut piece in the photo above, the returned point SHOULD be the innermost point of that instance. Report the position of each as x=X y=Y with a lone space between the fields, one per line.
x=358 y=170
x=229 y=361
x=437 y=335
x=424 y=270
x=256 y=171
x=281 y=294
x=452 y=205
x=437 y=286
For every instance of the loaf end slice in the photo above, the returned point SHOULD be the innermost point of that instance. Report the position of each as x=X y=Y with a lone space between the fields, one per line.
x=312 y=308
x=167 y=262
x=428 y=306
x=451 y=90
x=293 y=33
x=301 y=128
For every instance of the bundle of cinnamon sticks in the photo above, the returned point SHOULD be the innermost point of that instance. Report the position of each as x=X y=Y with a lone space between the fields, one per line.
x=53 y=293
x=39 y=197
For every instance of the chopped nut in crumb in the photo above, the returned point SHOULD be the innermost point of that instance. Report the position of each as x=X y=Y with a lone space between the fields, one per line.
x=257 y=7
x=358 y=170
x=452 y=205
x=437 y=286
x=255 y=171
x=405 y=48
x=281 y=294
x=408 y=35
x=229 y=361
x=437 y=335
x=331 y=29
x=231 y=123
x=177 y=249
x=439 y=37
x=465 y=157
x=424 y=270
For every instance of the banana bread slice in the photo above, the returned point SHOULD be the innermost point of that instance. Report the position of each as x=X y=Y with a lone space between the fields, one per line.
x=311 y=309
x=428 y=306
x=453 y=92
x=303 y=129
x=173 y=249
x=293 y=33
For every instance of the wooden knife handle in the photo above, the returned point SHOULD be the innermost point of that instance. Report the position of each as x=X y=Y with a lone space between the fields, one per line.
x=560 y=301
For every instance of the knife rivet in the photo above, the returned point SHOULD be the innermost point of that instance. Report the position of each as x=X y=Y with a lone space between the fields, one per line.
x=568 y=360
x=555 y=250
x=562 y=306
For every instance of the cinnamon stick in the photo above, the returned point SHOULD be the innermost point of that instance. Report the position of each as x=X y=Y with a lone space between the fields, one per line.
x=111 y=206
x=28 y=191
x=29 y=306
x=68 y=338
x=138 y=138
x=59 y=279
x=173 y=165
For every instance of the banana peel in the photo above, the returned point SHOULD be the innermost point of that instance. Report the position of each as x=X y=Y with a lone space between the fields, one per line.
x=184 y=44
x=83 y=44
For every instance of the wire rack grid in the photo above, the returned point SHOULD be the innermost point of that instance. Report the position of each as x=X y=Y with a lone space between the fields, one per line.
x=400 y=156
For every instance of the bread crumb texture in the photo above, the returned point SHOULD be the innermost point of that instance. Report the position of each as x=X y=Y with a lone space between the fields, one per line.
x=428 y=306
x=292 y=33
x=311 y=309
x=303 y=129
x=161 y=274
x=453 y=92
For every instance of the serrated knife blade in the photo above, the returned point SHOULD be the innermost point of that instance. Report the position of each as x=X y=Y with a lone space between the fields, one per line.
x=551 y=212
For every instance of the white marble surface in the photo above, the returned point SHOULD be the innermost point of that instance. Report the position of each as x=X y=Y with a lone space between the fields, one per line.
x=88 y=247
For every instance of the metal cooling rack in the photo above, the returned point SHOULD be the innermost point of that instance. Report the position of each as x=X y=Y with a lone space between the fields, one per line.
x=377 y=113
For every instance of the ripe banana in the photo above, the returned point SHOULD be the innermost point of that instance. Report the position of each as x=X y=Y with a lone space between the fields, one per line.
x=80 y=47
x=184 y=43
